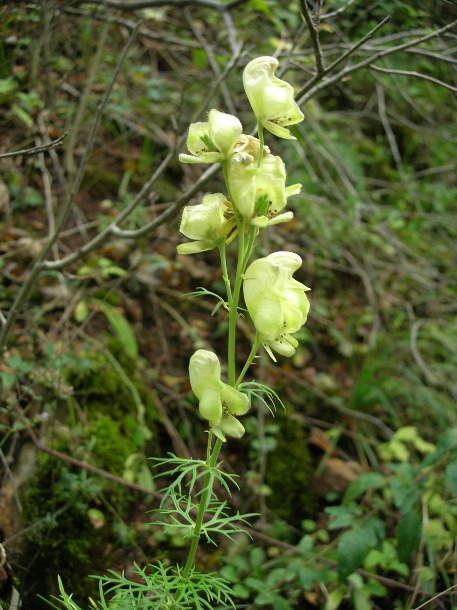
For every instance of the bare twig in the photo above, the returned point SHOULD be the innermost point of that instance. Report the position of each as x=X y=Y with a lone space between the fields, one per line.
x=352 y=413
x=69 y=161
x=310 y=89
x=435 y=597
x=294 y=550
x=170 y=212
x=36 y=149
x=387 y=128
x=144 y=4
x=314 y=33
x=431 y=378
x=371 y=296
x=231 y=33
x=98 y=471
x=301 y=97
x=8 y=474
x=338 y=11
x=211 y=60
x=113 y=229
x=415 y=74
x=167 y=40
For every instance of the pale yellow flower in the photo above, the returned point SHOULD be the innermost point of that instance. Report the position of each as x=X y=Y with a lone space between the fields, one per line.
x=276 y=302
x=271 y=99
x=260 y=193
x=213 y=141
x=218 y=402
x=209 y=223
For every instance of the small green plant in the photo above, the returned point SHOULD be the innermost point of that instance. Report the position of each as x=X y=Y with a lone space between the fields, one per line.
x=255 y=181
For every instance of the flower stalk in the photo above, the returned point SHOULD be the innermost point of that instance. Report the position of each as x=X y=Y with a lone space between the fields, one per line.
x=256 y=195
x=206 y=496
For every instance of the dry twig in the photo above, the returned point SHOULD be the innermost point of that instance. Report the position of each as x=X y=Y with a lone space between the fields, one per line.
x=36 y=150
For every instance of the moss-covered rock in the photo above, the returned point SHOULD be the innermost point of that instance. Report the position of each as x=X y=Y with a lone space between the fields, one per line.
x=112 y=418
x=62 y=540
x=289 y=473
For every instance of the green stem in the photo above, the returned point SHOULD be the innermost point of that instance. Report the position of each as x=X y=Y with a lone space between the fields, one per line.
x=250 y=359
x=225 y=275
x=233 y=314
x=206 y=497
x=249 y=247
x=260 y=133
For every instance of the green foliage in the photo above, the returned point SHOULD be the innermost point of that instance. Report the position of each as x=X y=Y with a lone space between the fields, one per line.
x=120 y=325
x=165 y=587
x=409 y=534
x=264 y=394
x=177 y=499
x=161 y=587
x=411 y=484
x=65 y=537
x=266 y=583
x=181 y=513
x=188 y=472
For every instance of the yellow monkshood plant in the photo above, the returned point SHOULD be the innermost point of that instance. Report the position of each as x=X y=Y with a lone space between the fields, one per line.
x=256 y=197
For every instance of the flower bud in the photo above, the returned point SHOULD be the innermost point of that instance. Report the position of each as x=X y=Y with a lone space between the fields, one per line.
x=272 y=99
x=276 y=302
x=213 y=141
x=209 y=223
x=218 y=402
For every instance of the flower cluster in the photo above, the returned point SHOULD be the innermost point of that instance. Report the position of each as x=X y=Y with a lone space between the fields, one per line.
x=257 y=195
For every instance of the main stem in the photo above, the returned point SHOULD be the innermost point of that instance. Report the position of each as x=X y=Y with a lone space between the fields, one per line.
x=233 y=296
x=233 y=314
x=206 y=497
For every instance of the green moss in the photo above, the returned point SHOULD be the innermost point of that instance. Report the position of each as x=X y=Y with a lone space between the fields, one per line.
x=108 y=443
x=67 y=544
x=104 y=431
x=289 y=473
x=100 y=389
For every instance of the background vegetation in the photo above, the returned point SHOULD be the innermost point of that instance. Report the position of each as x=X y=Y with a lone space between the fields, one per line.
x=356 y=483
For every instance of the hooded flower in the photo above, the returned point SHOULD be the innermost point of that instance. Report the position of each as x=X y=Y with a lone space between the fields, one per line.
x=272 y=99
x=276 y=302
x=219 y=402
x=209 y=223
x=213 y=141
x=260 y=193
